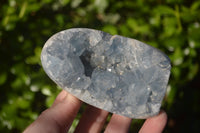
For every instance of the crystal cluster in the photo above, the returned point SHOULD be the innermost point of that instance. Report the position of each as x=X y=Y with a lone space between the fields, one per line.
x=114 y=73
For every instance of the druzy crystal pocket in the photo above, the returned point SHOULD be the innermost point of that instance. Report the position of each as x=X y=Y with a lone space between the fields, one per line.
x=114 y=73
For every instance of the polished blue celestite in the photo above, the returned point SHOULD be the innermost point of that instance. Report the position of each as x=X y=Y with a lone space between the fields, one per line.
x=114 y=73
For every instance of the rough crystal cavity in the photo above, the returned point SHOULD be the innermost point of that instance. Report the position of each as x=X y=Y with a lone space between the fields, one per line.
x=114 y=73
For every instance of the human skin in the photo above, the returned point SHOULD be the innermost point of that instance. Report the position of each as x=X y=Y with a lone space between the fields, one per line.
x=59 y=117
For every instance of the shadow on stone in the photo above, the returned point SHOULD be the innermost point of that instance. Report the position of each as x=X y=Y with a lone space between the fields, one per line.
x=85 y=59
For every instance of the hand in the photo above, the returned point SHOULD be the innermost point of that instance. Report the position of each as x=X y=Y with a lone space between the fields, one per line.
x=59 y=117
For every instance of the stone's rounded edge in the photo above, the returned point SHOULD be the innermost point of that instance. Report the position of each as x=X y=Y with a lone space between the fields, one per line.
x=43 y=58
x=44 y=62
x=140 y=42
x=44 y=55
x=158 y=50
x=91 y=102
x=144 y=116
x=53 y=38
x=168 y=69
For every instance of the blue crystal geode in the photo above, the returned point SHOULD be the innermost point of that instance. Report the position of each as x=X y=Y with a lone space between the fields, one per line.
x=114 y=73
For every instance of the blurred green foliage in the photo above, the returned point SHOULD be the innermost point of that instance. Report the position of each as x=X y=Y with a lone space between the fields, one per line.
x=170 y=25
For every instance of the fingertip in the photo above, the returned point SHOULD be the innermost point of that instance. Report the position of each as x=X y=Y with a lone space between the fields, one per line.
x=65 y=108
x=155 y=124
x=61 y=96
x=65 y=97
x=92 y=120
x=162 y=115
x=118 y=124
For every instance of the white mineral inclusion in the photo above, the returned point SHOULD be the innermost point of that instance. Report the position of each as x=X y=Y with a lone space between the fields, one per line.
x=114 y=73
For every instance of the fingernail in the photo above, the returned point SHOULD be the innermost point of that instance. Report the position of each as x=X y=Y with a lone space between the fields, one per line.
x=62 y=96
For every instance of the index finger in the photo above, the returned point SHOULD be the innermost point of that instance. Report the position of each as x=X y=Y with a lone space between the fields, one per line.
x=59 y=117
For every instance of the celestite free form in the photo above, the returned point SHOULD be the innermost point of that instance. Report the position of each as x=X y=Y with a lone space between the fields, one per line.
x=114 y=73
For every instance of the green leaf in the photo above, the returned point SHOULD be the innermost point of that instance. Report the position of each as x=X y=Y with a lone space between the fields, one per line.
x=110 y=18
x=46 y=91
x=101 y=5
x=3 y=77
x=171 y=96
x=74 y=124
x=193 y=70
x=35 y=59
x=64 y=2
x=75 y=3
x=177 y=57
x=49 y=101
x=174 y=42
x=5 y=20
x=110 y=29
x=194 y=33
x=138 y=26
x=164 y=10
x=155 y=20
x=23 y=9
x=170 y=26
x=23 y=103
x=176 y=72
x=195 y=5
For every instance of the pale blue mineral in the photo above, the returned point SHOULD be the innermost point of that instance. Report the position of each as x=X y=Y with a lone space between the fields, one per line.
x=114 y=73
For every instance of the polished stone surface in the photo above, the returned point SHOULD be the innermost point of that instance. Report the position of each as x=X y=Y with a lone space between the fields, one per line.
x=114 y=73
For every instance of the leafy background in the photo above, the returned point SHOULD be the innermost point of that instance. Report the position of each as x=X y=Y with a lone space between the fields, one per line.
x=170 y=25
